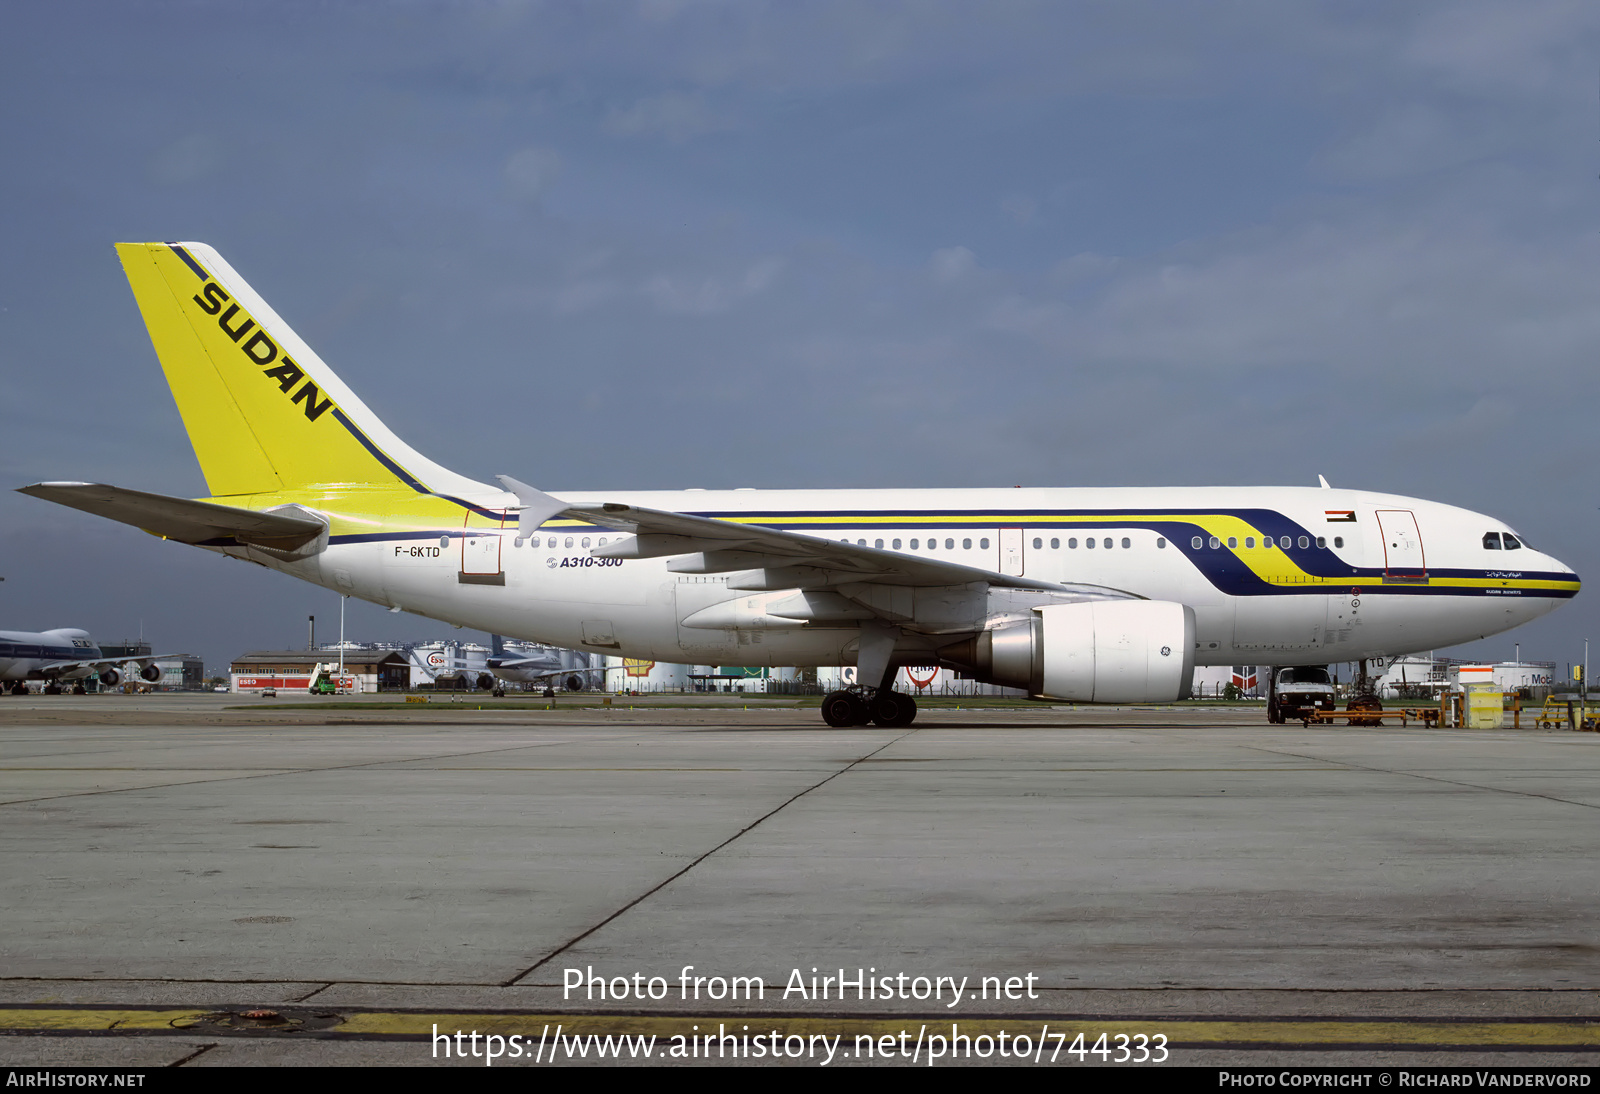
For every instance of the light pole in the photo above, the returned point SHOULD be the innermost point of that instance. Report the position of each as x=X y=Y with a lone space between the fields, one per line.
x=342 y=599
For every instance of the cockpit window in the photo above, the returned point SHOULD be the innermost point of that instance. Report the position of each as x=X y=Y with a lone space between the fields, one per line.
x=1491 y=541
x=1511 y=541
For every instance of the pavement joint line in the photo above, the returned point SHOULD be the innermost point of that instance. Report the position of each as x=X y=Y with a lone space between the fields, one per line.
x=1430 y=778
x=567 y=945
x=1476 y=1033
x=277 y=772
x=195 y=1055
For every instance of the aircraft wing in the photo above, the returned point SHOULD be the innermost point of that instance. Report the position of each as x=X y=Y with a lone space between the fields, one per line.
x=59 y=668
x=198 y=523
x=791 y=559
x=524 y=664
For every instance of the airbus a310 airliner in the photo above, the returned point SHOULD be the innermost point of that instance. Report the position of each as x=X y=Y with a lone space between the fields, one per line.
x=1085 y=595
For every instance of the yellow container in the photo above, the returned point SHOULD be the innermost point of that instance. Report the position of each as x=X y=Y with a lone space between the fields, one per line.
x=1485 y=706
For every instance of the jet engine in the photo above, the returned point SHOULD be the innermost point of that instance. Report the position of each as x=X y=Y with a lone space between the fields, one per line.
x=110 y=678
x=151 y=672
x=574 y=682
x=1103 y=651
x=485 y=682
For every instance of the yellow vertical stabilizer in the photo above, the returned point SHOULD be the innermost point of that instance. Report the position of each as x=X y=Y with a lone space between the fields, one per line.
x=264 y=413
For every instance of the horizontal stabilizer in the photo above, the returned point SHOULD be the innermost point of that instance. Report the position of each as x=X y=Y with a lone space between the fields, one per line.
x=194 y=522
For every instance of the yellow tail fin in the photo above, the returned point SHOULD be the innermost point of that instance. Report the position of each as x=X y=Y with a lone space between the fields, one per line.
x=264 y=413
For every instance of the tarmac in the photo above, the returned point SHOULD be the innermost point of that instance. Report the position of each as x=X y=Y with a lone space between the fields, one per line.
x=1192 y=883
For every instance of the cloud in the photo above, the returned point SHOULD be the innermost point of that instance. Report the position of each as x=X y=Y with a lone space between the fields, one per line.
x=1019 y=208
x=530 y=171
x=1438 y=301
x=952 y=263
x=708 y=295
x=674 y=115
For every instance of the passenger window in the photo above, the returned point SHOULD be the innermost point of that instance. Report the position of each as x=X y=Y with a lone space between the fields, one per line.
x=1249 y=541
x=984 y=543
x=949 y=545
x=1161 y=541
x=586 y=541
x=1285 y=542
x=552 y=542
x=914 y=544
x=569 y=541
x=861 y=543
x=1197 y=543
x=1491 y=541
x=966 y=545
x=1215 y=543
x=1089 y=542
x=1126 y=543
x=1055 y=544
x=896 y=545
x=1322 y=541
x=1304 y=543
x=602 y=542
x=1511 y=542
x=1338 y=541
x=878 y=543
x=1037 y=543
x=1232 y=542
x=1107 y=543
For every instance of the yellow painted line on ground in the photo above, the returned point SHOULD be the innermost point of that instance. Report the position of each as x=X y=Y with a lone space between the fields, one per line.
x=1566 y=1032
x=93 y=1020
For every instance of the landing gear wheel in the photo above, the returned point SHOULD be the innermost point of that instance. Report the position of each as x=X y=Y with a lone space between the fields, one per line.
x=1274 y=717
x=841 y=710
x=79 y=689
x=1365 y=702
x=52 y=689
x=892 y=709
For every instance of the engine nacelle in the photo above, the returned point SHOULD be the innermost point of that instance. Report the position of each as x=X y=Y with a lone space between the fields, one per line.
x=151 y=672
x=485 y=682
x=574 y=682
x=110 y=678
x=1102 y=651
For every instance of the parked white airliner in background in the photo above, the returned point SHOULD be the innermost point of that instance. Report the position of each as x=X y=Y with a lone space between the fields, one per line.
x=63 y=656
x=1093 y=595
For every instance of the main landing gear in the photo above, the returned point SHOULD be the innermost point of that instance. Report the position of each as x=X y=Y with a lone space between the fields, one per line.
x=862 y=703
x=842 y=709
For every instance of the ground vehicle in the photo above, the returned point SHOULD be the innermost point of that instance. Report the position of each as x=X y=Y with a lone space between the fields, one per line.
x=1297 y=691
x=327 y=680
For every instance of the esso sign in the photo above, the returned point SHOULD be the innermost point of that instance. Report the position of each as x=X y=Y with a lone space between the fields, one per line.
x=437 y=660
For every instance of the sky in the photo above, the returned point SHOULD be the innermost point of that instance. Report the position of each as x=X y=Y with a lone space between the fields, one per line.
x=680 y=243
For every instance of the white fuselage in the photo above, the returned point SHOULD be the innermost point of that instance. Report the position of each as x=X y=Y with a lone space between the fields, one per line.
x=1392 y=574
x=30 y=655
